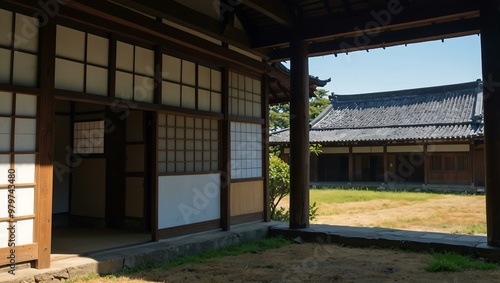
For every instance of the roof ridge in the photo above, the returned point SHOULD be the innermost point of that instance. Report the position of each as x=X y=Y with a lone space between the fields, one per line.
x=400 y=94
x=395 y=126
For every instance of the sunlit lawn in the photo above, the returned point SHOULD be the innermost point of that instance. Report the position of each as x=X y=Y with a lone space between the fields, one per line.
x=448 y=213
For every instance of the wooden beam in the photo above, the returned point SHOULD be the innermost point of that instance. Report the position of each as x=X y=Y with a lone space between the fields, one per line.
x=275 y=10
x=299 y=133
x=183 y=15
x=122 y=21
x=490 y=44
x=365 y=41
x=414 y=14
x=23 y=253
x=45 y=144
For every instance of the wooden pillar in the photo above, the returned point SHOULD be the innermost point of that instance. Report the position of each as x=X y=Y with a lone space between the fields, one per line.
x=299 y=134
x=472 y=158
x=45 y=143
x=351 y=165
x=386 y=168
x=152 y=149
x=153 y=175
x=225 y=156
x=427 y=165
x=265 y=150
x=490 y=44
x=115 y=170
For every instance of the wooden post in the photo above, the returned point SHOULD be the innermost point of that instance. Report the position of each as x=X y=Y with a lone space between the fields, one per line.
x=45 y=143
x=115 y=170
x=351 y=165
x=427 y=165
x=152 y=146
x=153 y=175
x=299 y=134
x=265 y=151
x=225 y=156
x=472 y=172
x=490 y=44
x=386 y=168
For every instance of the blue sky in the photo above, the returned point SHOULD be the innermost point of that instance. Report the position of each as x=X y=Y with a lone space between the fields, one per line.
x=424 y=64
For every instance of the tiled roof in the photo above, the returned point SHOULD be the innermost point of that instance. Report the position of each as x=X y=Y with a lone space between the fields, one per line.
x=444 y=112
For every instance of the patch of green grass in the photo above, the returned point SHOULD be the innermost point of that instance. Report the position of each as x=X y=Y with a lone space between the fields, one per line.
x=474 y=229
x=253 y=247
x=343 y=195
x=448 y=261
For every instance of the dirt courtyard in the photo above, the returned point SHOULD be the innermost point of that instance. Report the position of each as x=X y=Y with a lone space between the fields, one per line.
x=313 y=262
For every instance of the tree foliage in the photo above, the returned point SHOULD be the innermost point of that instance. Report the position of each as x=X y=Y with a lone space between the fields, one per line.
x=279 y=115
x=279 y=182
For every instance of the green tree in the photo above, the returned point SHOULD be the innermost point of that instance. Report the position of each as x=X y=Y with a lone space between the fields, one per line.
x=279 y=182
x=318 y=103
x=279 y=115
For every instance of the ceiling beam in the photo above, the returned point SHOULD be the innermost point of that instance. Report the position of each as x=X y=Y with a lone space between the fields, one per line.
x=409 y=14
x=275 y=10
x=108 y=16
x=386 y=39
x=199 y=22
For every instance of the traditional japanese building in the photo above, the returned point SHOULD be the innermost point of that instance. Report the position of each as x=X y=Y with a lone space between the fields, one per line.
x=425 y=136
x=152 y=115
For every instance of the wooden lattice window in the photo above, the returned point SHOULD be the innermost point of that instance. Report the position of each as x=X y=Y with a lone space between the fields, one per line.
x=190 y=85
x=449 y=163
x=81 y=61
x=463 y=162
x=187 y=144
x=436 y=163
x=18 y=49
x=244 y=96
x=88 y=137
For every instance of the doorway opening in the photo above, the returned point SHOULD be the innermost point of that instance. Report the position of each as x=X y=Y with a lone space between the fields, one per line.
x=102 y=188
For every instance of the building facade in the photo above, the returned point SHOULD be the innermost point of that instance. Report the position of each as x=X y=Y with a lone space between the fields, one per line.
x=113 y=118
x=427 y=136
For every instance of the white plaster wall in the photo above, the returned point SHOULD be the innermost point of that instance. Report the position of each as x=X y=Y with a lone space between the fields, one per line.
x=188 y=199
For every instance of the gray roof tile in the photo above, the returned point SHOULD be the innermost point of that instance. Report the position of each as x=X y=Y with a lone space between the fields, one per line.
x=444 y=112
